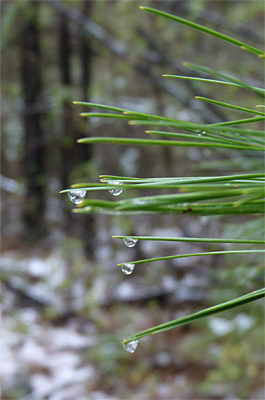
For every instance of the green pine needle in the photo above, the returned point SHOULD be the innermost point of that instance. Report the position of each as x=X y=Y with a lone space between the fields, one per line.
x=207 y=253
x=191 y=240
x=239 y=301
x=229 y=195
x=201 y=28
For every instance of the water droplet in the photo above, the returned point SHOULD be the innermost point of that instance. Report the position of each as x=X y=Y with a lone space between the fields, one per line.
x=200 y=132
x=131 y=346
x=77 y=196
x=130 y=242
x=116 y=191
x=127 y=269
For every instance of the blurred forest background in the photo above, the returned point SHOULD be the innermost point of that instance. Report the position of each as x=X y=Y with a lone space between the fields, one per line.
x=66 y=305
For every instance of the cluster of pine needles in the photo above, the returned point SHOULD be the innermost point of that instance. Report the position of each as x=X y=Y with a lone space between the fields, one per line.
x=225 y=195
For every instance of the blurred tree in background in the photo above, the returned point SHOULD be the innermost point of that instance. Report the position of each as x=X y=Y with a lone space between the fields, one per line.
x=33 y=112
x=59 y=270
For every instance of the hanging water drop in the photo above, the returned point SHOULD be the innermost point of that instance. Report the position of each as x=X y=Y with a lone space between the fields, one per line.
x=115 y=191
x=77 y=196
x=131 y=346
x=130 y=242
x=127 y=269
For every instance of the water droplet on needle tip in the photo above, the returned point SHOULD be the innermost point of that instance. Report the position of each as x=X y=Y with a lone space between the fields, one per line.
x=127 y=268
x=131 y=346
x=115 y=191
x=77 y=196
x=130 y=242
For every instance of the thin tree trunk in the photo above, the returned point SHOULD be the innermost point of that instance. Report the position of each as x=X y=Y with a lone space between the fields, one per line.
x=67 y=117
x=34 y=203
x=88 y=223
x=72 y=153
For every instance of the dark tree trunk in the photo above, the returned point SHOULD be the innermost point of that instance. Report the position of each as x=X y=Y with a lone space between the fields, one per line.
x=67 y=141
x=88 y=222
x=81 y=226
x=86 y=55
x=34 y=204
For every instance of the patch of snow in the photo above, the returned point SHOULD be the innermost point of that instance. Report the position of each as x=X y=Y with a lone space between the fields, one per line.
x=33 y=355
x=125 y=291
x=67 y=338
x=244 y=321
x=221 y=326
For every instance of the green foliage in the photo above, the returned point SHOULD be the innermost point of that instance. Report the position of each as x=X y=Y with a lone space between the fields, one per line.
x=225 y=195
x=258 y=294
x=207 y=30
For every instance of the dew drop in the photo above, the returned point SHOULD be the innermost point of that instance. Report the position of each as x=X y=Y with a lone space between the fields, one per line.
x=115 y=191
x=130 y=242
x=77 y=196
x=131 y=346
x=200 y=132
x=127 y=269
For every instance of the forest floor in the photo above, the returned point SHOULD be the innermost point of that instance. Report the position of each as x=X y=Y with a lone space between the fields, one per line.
x=64 y=318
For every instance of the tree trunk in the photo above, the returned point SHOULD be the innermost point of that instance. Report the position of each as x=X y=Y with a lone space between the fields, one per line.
x=67 y=141
x=34 y=202
x=81 y=226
